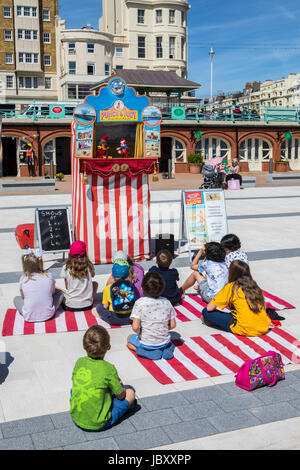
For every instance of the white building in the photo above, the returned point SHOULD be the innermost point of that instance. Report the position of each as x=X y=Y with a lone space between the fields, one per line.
x=154 y=32
x=146 y=34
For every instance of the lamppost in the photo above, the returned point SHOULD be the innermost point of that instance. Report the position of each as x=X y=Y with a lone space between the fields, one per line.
x=211 y=55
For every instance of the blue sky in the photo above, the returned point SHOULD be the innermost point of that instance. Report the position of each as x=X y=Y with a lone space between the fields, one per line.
x=252 y=39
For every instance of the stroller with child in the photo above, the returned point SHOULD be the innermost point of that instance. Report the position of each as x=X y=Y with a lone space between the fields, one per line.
x=212 y=177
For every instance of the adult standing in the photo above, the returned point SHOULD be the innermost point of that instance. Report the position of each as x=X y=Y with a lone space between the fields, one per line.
x=30 y=160
x=234 y=172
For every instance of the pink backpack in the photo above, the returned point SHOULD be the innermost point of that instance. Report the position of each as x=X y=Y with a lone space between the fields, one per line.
x=264 y=370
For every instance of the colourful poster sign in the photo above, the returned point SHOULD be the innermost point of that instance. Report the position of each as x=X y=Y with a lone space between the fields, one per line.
x=203 y=218
x=84 y=140
x=152 y=118
x=118 y=113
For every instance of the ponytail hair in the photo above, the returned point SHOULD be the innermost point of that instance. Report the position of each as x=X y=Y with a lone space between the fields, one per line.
x=32 y=264
x=239 y=274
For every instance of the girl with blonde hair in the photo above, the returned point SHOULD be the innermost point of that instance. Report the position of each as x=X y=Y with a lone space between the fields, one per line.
x=39 y=299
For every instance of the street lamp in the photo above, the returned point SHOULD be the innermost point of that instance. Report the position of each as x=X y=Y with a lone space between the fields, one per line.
x=211 y=55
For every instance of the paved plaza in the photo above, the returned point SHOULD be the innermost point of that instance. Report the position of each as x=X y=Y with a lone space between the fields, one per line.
x=210 y=413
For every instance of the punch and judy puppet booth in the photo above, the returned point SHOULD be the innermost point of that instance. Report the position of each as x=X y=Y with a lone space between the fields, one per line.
x=110 y=189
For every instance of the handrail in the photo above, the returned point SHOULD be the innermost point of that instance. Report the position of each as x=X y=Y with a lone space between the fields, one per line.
x=193 y=112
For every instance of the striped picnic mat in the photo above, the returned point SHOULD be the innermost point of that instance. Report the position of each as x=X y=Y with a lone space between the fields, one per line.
x=219 y=354
x=190 y=309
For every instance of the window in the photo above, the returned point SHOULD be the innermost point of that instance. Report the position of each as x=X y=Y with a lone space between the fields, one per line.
x=28 y=58
x=72 y=68
x=182 y=48
x=72 y=48
x=141 y=47
x=172 y=47
x=158 y=16
x=27 y=11
x=72 y=92
x=49 y=152
x=119 y=51
x=83 y=91
x=159 y=49
x=213 y=146
x=47 y=38
x=9 y=81
x=28 y=82
x=91 y=69
x=7 y=12
x=9 y=58
x=107 y=69
x=27 y=34
x=47 y=59
x=7 y=35
x=46 y=15
x=171 y=16
x=119 y=67
x=141 y=16
x=182 y=18
x=90 y=48
x=48 y=83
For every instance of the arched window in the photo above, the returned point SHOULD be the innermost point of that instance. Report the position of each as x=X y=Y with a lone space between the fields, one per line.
x=255 y=149
x=49 y=152
x=290 y=150
x=179 y=151
x=211 y=147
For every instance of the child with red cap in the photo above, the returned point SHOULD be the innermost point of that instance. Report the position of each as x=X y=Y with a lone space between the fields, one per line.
x=78 y=273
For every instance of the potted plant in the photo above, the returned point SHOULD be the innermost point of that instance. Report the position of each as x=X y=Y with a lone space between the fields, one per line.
x=46 y=173
x=195 y=161
x=282 y=165
x=60 y=176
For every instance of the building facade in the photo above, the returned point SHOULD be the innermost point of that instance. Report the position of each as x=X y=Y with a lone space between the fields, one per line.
x=28 y=68
x=154 y=32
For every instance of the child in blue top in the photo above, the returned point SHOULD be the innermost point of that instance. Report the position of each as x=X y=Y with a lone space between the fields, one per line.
x=211 y=273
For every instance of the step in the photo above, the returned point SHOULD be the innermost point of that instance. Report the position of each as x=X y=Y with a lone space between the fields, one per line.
x=27 y=185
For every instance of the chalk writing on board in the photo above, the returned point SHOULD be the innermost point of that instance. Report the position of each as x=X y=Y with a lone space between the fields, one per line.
x=53 y=229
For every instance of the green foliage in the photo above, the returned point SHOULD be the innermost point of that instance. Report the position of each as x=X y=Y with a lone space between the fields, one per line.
x=60 y=176
x=195 y=158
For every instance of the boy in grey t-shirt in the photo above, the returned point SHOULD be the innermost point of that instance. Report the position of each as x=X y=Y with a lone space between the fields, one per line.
x=152 y=318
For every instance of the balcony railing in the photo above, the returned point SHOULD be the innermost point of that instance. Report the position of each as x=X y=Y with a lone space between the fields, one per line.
x=186 y=112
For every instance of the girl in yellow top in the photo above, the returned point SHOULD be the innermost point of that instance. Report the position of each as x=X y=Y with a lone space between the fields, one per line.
x=242 y=295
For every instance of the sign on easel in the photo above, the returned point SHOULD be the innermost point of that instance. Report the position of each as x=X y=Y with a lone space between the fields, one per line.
x=203 y=218
x=53 y=229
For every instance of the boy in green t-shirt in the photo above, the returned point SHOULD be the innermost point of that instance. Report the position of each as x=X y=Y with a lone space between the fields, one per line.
x=99 y=399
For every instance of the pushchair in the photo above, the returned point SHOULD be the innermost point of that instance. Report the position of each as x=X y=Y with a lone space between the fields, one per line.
x=212 y=177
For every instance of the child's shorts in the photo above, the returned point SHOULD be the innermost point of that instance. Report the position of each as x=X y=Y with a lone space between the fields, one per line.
x=205 y=292
x=113 y=318
x=134 y=340
x=118 y=409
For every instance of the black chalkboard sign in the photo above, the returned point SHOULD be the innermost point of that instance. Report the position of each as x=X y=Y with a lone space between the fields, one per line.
x=53 y=229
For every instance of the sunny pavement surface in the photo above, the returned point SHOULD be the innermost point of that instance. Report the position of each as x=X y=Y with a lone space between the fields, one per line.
x=209 y=413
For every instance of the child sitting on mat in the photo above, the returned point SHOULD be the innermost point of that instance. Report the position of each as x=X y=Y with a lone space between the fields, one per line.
x=164 y=259
x=152 y=318
x=118 y=297
x=78 y=273
x=210 y=273
x=232 y=246
x=136 y=272
x=248 y=315
x=39 y=300
x=98 y=397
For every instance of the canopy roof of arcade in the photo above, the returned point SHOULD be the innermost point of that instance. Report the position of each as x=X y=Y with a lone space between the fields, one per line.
x=151 y=81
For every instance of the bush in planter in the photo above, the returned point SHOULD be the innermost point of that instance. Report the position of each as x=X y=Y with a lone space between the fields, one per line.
x=60 y=176
x=195 y=161
x=195 y=158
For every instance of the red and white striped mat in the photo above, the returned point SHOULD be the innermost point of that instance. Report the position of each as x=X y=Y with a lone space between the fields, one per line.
x=189 y=310
x=219 y=354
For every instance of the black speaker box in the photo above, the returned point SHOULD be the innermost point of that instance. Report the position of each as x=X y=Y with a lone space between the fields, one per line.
x=164 y=241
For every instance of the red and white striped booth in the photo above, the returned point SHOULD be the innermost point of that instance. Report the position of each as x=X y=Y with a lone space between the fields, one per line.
x=111 y=206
